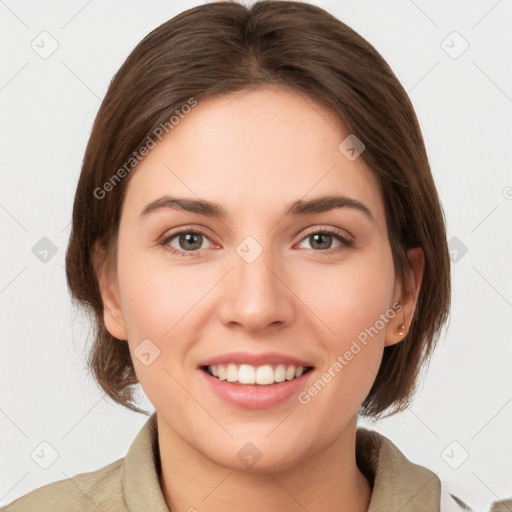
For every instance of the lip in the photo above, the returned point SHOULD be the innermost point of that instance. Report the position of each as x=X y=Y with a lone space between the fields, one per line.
x=255 y=396
x=272 y=358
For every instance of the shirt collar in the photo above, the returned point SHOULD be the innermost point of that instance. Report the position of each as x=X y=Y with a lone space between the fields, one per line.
x=397 y=483
x=141 y=469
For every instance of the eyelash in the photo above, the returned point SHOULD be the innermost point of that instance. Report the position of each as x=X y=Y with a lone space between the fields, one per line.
x=347 y=243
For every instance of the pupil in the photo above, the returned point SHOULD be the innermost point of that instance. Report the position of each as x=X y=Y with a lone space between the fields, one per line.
x=189 y=238
x=323 y=236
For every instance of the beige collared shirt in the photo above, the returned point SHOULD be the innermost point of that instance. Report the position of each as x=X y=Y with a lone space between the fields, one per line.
x=132 y=483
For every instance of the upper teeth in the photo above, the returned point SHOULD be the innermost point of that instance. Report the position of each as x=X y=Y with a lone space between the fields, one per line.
x=247 y=374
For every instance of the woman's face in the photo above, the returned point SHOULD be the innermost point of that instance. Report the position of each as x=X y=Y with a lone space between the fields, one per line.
x=260 y=291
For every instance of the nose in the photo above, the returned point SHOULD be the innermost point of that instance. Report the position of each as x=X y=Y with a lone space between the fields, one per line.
x=256 y=294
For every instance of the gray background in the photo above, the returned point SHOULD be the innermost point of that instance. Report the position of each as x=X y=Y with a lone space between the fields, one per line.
x=48 y=102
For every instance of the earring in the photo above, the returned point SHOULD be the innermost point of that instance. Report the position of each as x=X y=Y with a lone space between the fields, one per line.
x=400 y=330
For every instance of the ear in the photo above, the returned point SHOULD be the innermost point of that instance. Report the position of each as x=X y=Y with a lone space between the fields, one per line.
x=406 y=294
x=107 y=280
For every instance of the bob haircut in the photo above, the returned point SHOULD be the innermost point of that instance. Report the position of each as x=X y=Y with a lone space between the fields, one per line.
x=222 y=47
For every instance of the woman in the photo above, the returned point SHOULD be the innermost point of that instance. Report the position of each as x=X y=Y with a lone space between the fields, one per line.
x=258 y=235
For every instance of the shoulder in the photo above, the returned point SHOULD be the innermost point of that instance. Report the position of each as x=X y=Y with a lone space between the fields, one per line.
x=129 y=483
x=92 y=491
x=399 y=483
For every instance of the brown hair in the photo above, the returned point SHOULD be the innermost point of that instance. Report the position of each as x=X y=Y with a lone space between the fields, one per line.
x=222 y=47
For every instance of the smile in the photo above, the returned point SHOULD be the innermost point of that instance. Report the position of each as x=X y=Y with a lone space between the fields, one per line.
x=264 y=375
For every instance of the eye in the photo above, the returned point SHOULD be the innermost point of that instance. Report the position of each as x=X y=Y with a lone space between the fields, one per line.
x=321 y=240
x=186 y=243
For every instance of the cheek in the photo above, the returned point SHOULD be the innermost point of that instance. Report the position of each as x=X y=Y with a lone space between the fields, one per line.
x=355 y=298
x=156 y=302
x=155 y=297
x=360 y=319
x=350 y=298
x=165 y=304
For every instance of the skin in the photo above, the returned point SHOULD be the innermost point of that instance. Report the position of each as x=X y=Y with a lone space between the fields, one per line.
x=254 y=152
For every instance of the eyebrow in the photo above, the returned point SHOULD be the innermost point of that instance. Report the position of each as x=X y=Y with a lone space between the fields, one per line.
x=297 y=208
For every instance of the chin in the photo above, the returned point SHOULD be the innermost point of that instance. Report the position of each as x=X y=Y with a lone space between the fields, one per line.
x=259 y=453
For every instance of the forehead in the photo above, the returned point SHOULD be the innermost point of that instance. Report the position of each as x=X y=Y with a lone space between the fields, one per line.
x=254 y=151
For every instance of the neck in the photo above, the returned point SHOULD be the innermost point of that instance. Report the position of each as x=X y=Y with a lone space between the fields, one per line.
x=329 y=480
